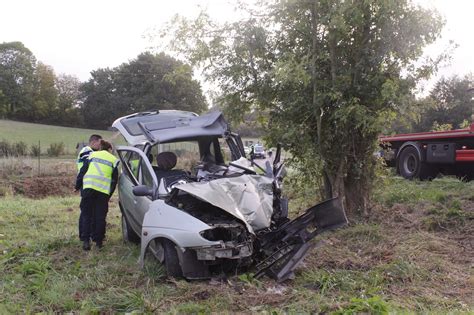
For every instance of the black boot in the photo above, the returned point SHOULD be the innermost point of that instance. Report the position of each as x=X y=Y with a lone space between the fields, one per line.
x=99 y=244
x=86 y=245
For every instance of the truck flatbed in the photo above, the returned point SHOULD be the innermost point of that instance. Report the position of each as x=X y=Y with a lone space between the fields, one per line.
x=424 y=155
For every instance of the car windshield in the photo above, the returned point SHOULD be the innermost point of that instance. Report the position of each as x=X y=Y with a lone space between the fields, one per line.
x=258 y=149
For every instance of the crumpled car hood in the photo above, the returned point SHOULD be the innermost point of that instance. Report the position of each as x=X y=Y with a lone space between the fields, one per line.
x=247 y=197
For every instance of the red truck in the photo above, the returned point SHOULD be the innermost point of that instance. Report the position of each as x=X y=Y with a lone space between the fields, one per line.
x=424 y=155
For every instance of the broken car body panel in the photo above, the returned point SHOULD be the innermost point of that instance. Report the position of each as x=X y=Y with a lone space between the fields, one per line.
x=225 y=215
x=247 y=197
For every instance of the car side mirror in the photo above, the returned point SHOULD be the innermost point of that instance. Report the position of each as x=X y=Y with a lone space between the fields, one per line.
x=142 y=191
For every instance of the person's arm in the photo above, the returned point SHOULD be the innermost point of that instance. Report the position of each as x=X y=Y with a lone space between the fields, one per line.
x=82 y=172
x=114 y=181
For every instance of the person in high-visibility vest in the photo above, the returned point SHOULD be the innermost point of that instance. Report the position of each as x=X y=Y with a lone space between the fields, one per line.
x=94 y=145
x=98 y=179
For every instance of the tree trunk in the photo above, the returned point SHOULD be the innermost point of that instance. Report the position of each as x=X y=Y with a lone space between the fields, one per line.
x=356 y=199
x=328 y=191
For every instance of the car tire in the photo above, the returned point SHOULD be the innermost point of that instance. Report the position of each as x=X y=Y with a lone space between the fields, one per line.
x=171 y=260
x=410 y=166
x=128 y=233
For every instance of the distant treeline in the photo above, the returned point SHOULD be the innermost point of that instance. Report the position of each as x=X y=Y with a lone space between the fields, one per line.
x=31 y=91
x=449 y=105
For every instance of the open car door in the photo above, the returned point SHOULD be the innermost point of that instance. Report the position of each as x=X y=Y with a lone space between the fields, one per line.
x=136 y=171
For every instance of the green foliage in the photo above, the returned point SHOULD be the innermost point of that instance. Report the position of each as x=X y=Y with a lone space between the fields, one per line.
x=322 y=75
x=14 y=149
x=55 y=149
x=372 y=305
x=250 y=280
x=20 y=148
x=448 y=105
x=465 y=124
x=149 y=82
x=31 y=91
x=17 y=73
x=444 y=127
x=35 y=150
x=46 y=94
x=36 y=274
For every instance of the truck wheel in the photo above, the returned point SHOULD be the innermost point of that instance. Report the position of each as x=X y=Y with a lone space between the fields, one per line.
x=128 y=233
x=465 y=174
x=410 y=166
x=172 y=266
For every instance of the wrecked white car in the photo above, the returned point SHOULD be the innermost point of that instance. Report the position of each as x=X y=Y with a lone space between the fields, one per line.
x=190 y=197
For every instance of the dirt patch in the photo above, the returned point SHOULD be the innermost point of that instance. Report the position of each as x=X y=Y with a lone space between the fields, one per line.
x=43 y=186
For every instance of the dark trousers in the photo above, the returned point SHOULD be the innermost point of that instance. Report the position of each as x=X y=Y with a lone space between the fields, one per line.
x=81 y=226
x=94 y=208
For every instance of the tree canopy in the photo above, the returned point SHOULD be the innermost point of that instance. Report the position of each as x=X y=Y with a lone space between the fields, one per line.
x=31 y=91
x=327 y=72
x=17 y=74
x=149 y=82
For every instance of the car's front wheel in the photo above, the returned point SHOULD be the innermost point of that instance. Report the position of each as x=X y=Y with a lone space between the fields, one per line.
x=128 y=233
x=171 y=260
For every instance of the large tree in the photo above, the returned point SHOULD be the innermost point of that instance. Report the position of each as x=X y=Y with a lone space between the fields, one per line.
x=17 y=73
x=69 y=100
x=45 y=95
x=149 y=82
x=328 y=72
x=450 y=102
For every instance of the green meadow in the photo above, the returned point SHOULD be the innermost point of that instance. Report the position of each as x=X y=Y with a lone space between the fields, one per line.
x=31 y=134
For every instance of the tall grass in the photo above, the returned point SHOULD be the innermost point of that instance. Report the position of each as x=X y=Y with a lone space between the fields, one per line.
x=29 y=166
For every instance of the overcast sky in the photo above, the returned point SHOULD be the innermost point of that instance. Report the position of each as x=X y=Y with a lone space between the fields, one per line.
x=76 y=37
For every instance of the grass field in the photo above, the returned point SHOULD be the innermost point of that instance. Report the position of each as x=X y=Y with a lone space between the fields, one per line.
x=415 y=254
x=15 y=131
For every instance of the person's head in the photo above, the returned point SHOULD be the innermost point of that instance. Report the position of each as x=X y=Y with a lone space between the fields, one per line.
x=166 y=160
x=94 y=142
x=105 y=145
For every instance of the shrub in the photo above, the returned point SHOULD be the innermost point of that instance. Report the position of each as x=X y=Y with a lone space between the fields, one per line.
x=35 y=150
x=8 y=149
x=5 y=148
x=19 y=149
x=56 y=149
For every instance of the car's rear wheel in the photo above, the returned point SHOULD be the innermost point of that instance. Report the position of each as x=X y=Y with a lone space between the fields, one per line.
x=171 y=260
x=128 y=233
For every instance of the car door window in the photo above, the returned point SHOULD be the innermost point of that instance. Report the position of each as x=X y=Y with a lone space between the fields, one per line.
x=130 y=165
x=146 y=178
x=134 y=164
x=137 y=167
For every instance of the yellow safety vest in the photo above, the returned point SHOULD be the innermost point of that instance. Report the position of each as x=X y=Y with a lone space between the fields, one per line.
x=134 y=167
x=79 y=162
x=99 y=173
